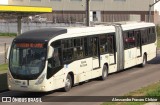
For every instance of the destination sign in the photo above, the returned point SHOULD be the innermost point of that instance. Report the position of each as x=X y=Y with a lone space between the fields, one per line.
x=30 y=45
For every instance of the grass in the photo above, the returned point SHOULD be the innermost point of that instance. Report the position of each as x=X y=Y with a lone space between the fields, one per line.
x=158 y=36
x=3 y=67
x=124 y=103
x=158 y=30
x=8 y=34
x=151 y=90
x=158 y=42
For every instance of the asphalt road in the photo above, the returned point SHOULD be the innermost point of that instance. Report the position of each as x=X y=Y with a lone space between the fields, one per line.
x=117 y=84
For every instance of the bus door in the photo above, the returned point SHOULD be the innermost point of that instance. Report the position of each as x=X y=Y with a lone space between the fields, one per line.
x=95 y=52
x=130 y=48
x=111 y=49
x=138 y=46
x=138 y=43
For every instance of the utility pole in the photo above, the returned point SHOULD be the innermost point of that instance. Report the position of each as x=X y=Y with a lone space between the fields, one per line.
x=87 y=12
x=19 y=25
x=150 y=6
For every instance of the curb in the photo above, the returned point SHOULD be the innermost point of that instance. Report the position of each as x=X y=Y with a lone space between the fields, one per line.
x=1 y=91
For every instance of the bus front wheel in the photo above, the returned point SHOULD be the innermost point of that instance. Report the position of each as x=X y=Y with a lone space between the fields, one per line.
x=68 y=83
x=104 y=73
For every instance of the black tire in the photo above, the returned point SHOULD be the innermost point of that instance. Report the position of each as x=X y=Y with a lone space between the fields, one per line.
x=68 y=83
x=144 y=62
x=104 y=73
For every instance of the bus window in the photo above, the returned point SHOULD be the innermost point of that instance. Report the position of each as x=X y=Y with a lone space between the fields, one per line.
x=144 y=36
x=103 y=44
x=54 y=63
x=138 y=38
x=67 y=43
x=68 y=49
x=27 y=60
x=55 y=60
x=78 y=42
x=110 y=40
x=56 y=44
x=90 y=46
x=153 y=30
x=93 y=44
x=68 y=54
x=124 y=39
x=78 y=48
x=86 y=49
x=151 y=35
x=94 y=47
x=129 y=39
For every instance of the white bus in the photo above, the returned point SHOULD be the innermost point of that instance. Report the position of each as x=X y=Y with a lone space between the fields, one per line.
x=52 y=58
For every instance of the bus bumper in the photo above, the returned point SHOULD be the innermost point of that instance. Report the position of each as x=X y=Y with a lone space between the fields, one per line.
x=30 y=88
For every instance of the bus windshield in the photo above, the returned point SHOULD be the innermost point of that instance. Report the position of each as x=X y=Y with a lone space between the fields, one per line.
x=27 y=60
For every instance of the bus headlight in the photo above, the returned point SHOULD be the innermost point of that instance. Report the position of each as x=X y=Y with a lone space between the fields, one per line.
x=9 y=77
x=40 y=80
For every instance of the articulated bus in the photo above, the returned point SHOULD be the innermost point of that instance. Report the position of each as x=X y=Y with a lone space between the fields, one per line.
x=52 y=58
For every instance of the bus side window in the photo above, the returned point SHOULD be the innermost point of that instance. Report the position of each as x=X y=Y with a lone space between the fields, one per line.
x=151 y=35
x=68 y=49
x=111 y=47
x=103 y=44
x=144 y=34
x=78 y=48
x=68 y=54
x=125 y=40
x=129 y=39
x=56 y=59
x=86 y=48
x=54 y=62
x=138 y=38
x=94 y=45
x=90 y=46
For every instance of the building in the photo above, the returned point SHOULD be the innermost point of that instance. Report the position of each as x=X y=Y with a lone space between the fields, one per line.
x=101 y=10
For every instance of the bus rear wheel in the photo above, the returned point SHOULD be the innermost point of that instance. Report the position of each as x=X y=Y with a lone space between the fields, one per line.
x=144 y=61
x=68 y=83
x=104 y=73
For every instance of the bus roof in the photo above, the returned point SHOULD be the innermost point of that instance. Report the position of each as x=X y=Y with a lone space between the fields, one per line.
x=136 y=25
x=40 y=35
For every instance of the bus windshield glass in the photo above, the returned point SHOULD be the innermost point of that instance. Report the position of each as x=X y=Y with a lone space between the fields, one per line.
x=27 y=60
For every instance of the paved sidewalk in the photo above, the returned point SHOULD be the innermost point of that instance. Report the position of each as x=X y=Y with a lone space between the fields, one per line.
x=2 y=72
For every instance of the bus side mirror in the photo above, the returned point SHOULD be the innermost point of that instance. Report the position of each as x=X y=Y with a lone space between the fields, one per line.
x=8 y=52
x=50 y=52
